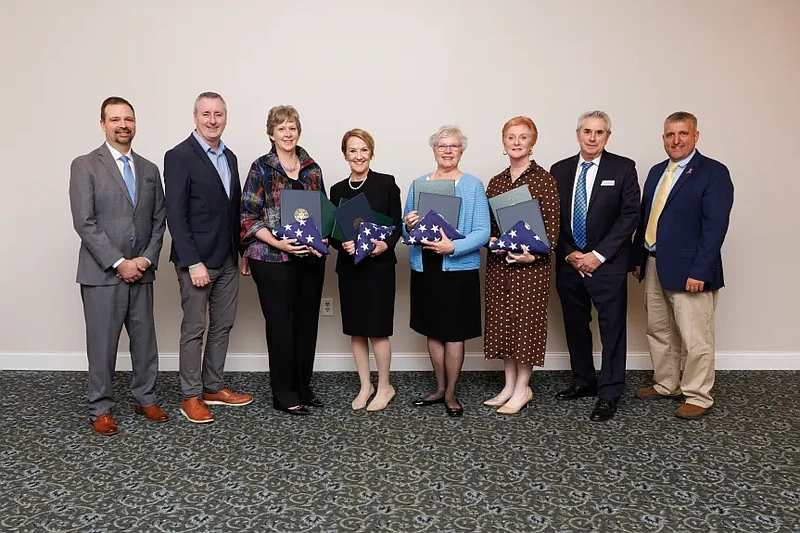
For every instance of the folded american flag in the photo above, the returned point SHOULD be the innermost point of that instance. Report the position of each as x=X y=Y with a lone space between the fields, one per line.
x=306 y=233
x=428 y=230
x=520 y=238
x=366 y=232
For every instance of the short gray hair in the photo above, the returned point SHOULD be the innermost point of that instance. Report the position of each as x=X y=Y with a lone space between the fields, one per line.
x=449 y=130
x=597 y=113
x=682 y=116
x=212 y=96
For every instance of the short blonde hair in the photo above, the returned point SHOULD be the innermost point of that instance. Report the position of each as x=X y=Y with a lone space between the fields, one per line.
x=361 y=134
x=280 y=114
x=449 y=130
x=522 y=121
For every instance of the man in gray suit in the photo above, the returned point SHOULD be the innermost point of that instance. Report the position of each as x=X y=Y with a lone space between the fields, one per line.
x=118 y=211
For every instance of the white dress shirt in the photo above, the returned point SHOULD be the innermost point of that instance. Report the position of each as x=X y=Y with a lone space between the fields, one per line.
x=591 y=174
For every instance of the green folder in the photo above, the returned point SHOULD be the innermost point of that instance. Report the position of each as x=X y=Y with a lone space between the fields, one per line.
x=328 y=221
x=445 y=187
x=380 y=218
x=508 y=198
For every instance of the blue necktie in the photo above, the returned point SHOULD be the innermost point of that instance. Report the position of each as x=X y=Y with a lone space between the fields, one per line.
x=580 y=207
x=127 y=175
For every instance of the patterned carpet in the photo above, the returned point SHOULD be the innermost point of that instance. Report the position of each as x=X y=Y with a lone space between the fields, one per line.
x=406 y=468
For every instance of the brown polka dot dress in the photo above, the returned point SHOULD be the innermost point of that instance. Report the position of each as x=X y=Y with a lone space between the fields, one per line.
x=517 y=295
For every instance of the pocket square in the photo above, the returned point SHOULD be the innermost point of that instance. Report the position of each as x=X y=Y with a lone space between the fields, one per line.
x=607 y=183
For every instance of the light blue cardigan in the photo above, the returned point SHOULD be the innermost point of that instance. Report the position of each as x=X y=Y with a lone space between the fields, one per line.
x=473 y=222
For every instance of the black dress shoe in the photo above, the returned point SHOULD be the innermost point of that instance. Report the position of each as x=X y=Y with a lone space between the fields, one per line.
x=315 y=402
x=422 y=402
x=603 y=410
x=299 y=410
x=574 y=392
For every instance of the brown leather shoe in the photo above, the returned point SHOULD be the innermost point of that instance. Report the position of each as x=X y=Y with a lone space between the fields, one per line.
x=690 y=411
x=195 y=410
x=650 y=393
x=104 y=424
x=227 y=397
x=152 y=412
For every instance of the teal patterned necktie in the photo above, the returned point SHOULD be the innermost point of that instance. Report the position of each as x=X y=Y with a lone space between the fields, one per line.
x=580 y=207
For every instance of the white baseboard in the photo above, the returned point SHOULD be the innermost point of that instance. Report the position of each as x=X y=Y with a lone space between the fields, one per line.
x=330 y=362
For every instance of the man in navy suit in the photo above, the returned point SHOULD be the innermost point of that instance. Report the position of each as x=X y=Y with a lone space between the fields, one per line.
x=685 y=213
x=203 y=195
x=599 y=194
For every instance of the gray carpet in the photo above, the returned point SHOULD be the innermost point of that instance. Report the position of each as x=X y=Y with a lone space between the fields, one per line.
x=403 y=469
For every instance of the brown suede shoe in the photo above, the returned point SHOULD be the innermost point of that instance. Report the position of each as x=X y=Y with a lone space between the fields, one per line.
x=227 y=397
x=195 y=410
x=690 y=411
x=152 y=412
x=650 y=393
x=104 y=424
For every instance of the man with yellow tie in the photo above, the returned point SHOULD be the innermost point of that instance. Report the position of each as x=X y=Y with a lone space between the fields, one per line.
x=686 y=206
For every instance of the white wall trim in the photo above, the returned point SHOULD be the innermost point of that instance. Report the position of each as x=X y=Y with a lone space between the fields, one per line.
x=250 y=362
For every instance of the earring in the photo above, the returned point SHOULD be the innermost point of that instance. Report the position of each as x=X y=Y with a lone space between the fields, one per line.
x=530 y=152
x=505 y=153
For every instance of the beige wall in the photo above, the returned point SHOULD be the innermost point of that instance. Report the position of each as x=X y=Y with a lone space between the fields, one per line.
x=398 y=70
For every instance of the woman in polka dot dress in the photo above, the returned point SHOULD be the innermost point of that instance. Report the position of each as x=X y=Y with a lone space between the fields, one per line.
x=518 y=285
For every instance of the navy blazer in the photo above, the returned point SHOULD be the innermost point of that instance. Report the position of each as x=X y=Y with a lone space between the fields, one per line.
x=612 y=213
x=692 y=225
x=203 y=221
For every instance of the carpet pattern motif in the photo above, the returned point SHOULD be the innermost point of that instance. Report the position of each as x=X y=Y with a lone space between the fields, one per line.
x=406 y=469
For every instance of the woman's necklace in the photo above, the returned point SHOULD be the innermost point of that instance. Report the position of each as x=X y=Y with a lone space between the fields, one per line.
x=360 y=184
x=292 y=168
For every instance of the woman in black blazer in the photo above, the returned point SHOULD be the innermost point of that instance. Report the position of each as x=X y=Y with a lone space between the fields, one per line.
x=367 y=289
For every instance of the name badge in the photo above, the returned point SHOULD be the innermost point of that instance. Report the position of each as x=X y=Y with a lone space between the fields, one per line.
x=607 y=183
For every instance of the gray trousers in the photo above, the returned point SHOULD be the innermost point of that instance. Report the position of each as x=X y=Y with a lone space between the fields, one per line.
x=217 y=302
x=106 y=308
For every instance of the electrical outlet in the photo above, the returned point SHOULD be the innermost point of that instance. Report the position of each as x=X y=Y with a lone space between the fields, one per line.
x=327 y=307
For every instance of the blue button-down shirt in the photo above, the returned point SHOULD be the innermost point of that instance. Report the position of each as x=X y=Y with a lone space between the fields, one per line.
x=219 y=161
x=678 y=171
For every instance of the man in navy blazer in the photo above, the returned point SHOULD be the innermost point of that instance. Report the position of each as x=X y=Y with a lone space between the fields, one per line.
x=203 y=196
x=599 y=194
x=685 y=214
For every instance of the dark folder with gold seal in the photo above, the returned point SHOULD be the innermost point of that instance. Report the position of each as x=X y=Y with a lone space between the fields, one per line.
x=351 y=214
x=297 y=205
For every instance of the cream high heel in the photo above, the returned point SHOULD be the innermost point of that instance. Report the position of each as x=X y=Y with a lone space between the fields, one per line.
x=494 y=402
x=358 y=405
x=374 y=405
x=513 y=410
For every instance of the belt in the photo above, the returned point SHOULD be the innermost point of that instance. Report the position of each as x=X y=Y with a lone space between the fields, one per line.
x=651 y=253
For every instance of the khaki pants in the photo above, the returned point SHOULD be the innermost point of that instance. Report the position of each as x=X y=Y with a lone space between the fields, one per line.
x=680 y=333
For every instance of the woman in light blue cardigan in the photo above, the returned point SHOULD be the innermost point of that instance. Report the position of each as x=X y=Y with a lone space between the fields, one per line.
x=445 y=275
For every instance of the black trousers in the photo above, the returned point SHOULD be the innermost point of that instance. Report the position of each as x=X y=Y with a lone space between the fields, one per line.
x=289 y=294
x=609 y=294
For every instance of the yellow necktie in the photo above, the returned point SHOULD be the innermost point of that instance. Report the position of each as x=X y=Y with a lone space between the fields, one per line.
x=658 y=205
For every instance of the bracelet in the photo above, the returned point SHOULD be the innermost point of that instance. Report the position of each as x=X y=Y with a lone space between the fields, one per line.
x=192 y=267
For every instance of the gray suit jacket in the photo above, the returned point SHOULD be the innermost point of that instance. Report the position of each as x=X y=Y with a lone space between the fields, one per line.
x=107 y=220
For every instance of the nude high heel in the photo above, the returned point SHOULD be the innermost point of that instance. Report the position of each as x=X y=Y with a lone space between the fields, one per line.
x=508 y=409
x=494 y=402
x=358 y=405
x=376 y=405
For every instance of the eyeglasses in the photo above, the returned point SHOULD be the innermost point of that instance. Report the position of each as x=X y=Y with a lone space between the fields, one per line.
x=446 y=147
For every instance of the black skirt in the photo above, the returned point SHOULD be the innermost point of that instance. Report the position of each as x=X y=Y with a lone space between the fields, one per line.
x=445 y=306
x=366 y=296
